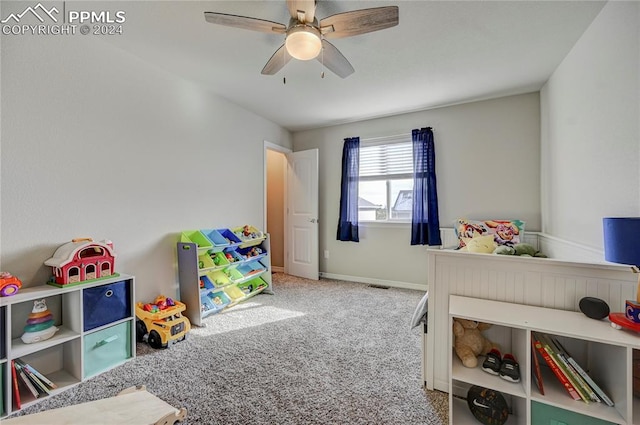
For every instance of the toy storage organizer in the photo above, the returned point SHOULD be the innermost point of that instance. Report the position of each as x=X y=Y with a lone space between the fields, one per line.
x=95 y=322
x=219 y=268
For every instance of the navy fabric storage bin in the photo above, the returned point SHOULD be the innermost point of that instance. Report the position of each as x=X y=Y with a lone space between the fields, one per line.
x=106 y=304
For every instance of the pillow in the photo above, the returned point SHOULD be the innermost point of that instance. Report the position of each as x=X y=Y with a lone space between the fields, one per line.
x=481 y=244
x=467 y=229
x=505 y=232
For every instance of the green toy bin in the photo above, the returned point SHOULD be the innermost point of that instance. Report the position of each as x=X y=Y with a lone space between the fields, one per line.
x=252 y=286
x=218 y=278
x=196 y=236
x=234 y=293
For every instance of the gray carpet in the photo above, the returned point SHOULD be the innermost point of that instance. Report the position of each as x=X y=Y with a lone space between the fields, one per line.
x=326 y=352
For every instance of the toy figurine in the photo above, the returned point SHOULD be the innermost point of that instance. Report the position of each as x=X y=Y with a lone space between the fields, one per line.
x=39 y=324
x=9 y=284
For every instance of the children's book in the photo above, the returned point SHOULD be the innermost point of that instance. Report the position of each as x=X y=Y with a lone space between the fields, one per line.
x=537 y=375
x=564 y=367
x=27 y=381
x=566 y=384
x=37 y=374
x=601 y=394
x=16 y=388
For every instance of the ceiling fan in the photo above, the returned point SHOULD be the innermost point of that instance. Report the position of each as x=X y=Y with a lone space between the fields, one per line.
x=306 y=37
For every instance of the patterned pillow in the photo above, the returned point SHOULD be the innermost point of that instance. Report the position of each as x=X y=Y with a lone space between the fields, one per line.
x=505 y=232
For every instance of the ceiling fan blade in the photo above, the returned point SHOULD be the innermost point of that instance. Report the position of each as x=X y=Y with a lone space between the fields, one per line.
x=358 y=22
x=307 y=7
x=244 y=22
x=278 y=60
x=334 y=60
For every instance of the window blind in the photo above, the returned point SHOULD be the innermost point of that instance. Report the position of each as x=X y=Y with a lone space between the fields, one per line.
x=395 y=159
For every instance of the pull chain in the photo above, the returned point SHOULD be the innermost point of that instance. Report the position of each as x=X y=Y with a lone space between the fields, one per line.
x=284 y=62
x=322 y=61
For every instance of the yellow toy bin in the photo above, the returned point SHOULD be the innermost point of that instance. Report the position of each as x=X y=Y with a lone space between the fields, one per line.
x=249 y=235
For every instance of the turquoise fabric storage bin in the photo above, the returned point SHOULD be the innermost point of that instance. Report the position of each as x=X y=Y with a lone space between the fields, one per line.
x=106 y=348
x=106 y=304
x=545 y=414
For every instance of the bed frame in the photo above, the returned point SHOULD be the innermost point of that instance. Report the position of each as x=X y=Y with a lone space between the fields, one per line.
x=552 y=283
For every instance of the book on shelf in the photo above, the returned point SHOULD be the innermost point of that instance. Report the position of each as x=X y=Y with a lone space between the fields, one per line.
x=537 y=374
x=566 y=384
x=16 y=389
x=595 y=387
x=27 y=382
x=41 y=388
x=572 y=370
x=46 y=381
x=564 y=366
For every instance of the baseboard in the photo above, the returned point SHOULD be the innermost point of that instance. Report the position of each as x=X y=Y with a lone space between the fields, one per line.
x=391 y=283
x=277 y=269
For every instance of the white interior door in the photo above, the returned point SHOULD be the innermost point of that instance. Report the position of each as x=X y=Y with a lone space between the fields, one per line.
x=302 y=214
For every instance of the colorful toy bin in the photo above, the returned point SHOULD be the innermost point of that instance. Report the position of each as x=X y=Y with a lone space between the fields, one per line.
x=82 y=260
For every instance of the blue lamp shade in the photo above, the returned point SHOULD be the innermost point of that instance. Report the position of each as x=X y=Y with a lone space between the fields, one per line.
x=622 y=240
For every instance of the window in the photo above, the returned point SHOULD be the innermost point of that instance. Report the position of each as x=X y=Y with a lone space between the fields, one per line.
x=385 y=187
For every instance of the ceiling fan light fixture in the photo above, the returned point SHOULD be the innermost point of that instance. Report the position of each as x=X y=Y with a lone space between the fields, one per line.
x=303 y=42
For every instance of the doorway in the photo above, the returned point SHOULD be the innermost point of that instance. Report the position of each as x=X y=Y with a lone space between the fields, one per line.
x=291 y=209
x=275 y=199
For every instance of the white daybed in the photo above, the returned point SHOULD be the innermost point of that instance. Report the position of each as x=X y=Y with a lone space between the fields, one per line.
x=554 y=282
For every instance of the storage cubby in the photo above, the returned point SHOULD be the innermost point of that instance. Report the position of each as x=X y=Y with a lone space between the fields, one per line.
x=605 y=353
x=217 y=278
x=90 y=315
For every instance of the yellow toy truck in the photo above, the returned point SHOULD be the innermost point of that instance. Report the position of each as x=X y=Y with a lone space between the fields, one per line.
x=161 y=324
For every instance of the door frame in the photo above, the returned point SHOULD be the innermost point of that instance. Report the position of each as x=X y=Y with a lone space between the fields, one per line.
x=281 y=149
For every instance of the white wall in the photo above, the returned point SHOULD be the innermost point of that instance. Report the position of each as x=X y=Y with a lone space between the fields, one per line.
x=98 y=143
x=487 y=165
x=590 y=115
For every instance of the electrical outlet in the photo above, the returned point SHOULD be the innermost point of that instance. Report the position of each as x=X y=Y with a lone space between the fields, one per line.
x=326 y=253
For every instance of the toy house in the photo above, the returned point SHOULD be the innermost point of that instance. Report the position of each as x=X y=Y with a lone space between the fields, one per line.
x=82 y=259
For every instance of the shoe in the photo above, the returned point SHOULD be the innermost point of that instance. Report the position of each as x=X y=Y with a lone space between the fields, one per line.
x=510 y=369
x=492 y=363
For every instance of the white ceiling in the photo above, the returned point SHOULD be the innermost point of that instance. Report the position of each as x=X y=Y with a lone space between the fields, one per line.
x=441 y=53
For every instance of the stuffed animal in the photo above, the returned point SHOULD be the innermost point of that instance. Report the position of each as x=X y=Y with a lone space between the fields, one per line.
x=469 y=342
x=520 y=249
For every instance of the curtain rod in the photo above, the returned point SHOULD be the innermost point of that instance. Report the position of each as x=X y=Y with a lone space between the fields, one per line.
x=385 y=138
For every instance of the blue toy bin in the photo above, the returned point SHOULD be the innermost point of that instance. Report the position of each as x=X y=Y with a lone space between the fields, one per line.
x=218 y=241
x=219 y=298
x=254 y=267
x=232 y=238
x=206 y=283
x=207 y=306
x=245 y=251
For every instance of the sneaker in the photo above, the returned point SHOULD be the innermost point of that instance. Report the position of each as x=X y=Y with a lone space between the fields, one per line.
x=492 y=363
x=510 y=370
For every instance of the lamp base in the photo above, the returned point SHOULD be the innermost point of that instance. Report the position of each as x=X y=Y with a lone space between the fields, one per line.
x=632 y=311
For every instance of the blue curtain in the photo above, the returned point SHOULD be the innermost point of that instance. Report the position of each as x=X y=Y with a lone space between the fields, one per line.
x=425 y=224
x=348 y=224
